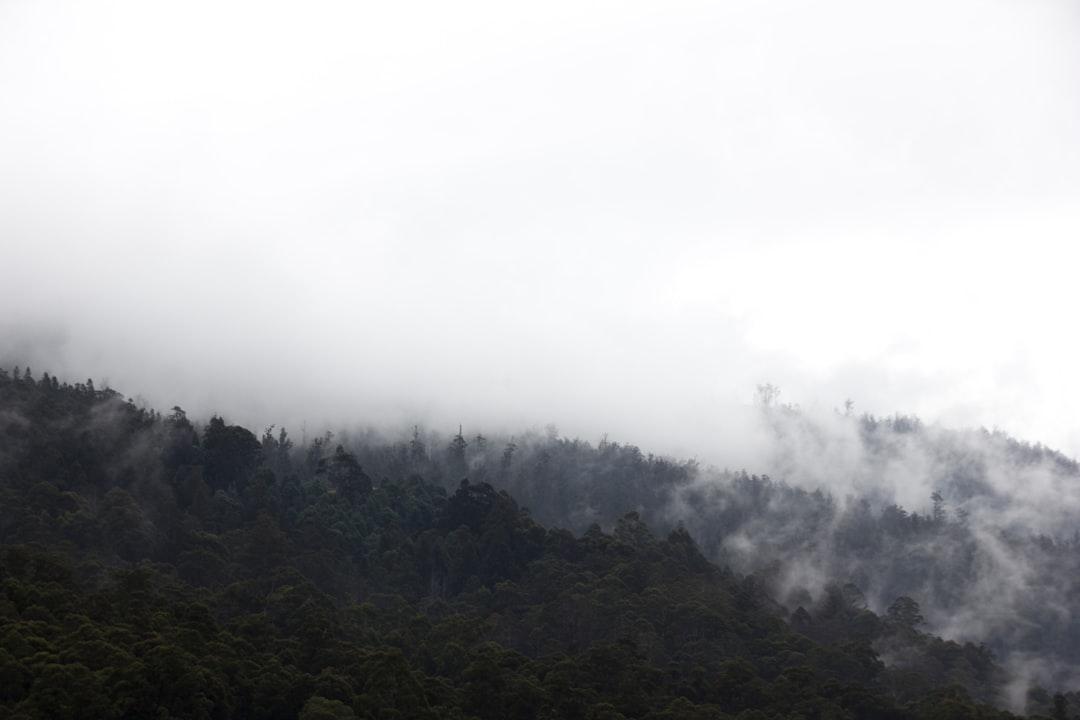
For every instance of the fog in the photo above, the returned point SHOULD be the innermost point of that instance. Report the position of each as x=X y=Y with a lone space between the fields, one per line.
x=980 y=529
x=617 y=218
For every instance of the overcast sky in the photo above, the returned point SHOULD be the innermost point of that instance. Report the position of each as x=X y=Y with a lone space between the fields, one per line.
x=611 y=216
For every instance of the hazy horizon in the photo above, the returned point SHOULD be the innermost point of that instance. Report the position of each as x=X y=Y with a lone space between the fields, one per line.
x=614 y=218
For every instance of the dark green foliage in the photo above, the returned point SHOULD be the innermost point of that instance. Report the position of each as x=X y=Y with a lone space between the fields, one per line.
x=150 y=571
x=345 y=475
x=904 y=613
x=230 y=454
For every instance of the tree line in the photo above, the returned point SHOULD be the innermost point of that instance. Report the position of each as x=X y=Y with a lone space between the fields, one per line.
x=150 y=566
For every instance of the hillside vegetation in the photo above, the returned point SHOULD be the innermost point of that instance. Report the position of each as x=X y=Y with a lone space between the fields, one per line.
x=155 y=566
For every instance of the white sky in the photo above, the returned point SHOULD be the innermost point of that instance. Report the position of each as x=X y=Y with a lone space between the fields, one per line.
x=613 y=216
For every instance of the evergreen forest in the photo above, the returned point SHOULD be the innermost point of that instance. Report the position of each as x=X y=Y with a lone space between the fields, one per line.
x=154 y=565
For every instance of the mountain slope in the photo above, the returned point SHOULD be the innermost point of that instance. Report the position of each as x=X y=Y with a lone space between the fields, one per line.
x=148 y=566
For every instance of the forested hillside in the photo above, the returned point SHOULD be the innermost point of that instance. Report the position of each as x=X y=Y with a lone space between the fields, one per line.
x=160 y=566
x=980 y=528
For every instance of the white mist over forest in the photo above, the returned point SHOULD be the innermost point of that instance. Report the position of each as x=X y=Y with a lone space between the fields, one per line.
x=617 y=218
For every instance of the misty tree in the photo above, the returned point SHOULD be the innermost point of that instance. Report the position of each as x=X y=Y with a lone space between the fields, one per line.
x=317 y=450
x=284 y=448
x=767 y=394
x=508 y=458
x=277 y=451
x=633 y=531
x=417 y=449
x=1060 y=710
x=123 y=526
x=230 y=454
x=905 y=613
x=800 y=620
x=345 y=475
x=458 y=444
x=182 y=445
x=938 y=507
x=854 y=597
x=904 y=424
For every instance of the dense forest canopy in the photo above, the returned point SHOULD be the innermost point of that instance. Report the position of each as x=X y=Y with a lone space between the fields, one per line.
x=159 y=565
